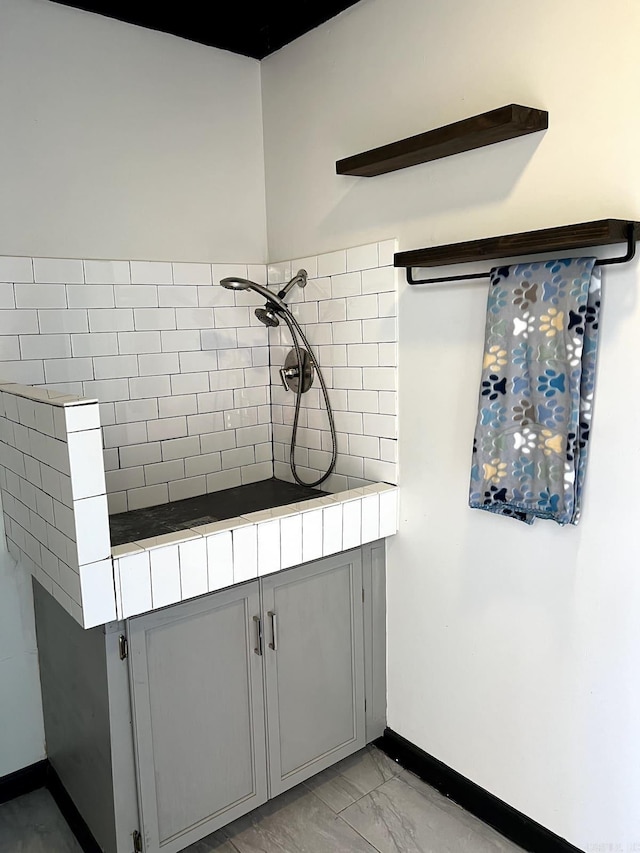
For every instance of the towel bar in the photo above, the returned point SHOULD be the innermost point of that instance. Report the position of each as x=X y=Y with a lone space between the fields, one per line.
x=604 y=232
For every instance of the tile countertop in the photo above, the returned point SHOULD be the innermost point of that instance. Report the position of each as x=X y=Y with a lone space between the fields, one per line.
x=173 y=567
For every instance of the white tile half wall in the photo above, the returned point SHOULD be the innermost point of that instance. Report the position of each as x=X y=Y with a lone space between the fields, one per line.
x=179 y=365
x=348 y=311
x=54 y=501
x=54 y=498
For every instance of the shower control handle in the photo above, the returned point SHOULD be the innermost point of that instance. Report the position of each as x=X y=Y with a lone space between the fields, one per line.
x=288 y=373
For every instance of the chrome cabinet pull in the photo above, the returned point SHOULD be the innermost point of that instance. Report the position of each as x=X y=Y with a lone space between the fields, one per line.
x=274 y=630
x=258 y=648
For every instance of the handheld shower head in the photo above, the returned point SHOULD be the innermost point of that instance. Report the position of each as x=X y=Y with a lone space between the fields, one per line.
x=273 y=299
x=233 y=283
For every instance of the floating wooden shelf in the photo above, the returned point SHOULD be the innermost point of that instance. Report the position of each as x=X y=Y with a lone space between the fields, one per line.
x=476 y=132
x=602 y=232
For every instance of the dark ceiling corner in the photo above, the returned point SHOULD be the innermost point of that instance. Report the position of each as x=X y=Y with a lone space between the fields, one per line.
x=252 y=29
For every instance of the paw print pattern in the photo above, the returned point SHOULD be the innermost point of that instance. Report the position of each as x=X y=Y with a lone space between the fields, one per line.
x=552 y=322
x=499 y=274
x=554 y=290
x=549 y=349
x=494 y=495
x=550 y=414
x=569 y=476
x=576 y=320
x=537 y=389
x=525 y=296
x=551 y=382
x=525 y=440
x=523 y=469
x=523 y=495
x=493 y=444
x=550 y=442
x=494 y=471
x=574 y=350
x=498 y=330
x=521 y=355
x=493 y=416
x=586 y=406
x=524 y=413
x=497 y=299
x=515 y=513
x=523 y=326
x=494 y=386
x=521 y=385
x=495 y=357
x=550 y=470
x=548 y=502
x=579 y=289
x=558 y=265
x=591 y=314
x=584 y=434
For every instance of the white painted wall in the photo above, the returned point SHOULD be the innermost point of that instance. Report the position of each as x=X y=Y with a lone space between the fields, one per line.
x=120 y=142
x=514 y=652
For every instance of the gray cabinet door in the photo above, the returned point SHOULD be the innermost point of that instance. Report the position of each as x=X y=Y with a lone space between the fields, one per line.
x=198 y=709
x=315 y=673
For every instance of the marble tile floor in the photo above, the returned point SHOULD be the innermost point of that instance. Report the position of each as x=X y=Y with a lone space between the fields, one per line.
x=364 y=804
x=33 y=824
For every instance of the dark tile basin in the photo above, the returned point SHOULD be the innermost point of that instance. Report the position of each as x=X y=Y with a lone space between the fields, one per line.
x=203 y=509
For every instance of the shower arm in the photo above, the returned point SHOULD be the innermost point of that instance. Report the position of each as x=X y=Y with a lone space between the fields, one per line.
x=300 y=278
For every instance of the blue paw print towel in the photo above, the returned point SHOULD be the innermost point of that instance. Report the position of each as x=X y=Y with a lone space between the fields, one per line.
x=536 y=391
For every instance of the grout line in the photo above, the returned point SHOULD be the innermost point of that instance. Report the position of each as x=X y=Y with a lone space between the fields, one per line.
x=357 y=832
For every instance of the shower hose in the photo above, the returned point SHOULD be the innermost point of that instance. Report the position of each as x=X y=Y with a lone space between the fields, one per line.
x=295 y=330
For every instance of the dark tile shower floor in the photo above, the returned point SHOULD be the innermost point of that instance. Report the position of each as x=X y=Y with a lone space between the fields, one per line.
x=204 y=509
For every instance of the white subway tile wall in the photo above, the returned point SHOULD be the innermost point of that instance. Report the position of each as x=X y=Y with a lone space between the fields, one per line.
x=348 y=311
x=179 y=365
x=53 y=498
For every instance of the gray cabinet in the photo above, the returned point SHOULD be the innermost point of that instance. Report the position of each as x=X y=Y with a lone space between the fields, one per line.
x=197 y=695
x=202 y=675
x=223 y=702
x=314 y=667
x=87 y=720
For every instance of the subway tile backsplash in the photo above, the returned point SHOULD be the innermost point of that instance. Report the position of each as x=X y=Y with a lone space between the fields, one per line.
x=348 y=311
x=187 y=377
x=156 y=343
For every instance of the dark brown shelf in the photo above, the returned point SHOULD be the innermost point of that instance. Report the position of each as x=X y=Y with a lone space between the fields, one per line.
x=476 y=132
x=602 y=232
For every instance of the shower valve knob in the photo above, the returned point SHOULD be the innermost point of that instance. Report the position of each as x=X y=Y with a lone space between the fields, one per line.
x=287 y=373
x=290 y=373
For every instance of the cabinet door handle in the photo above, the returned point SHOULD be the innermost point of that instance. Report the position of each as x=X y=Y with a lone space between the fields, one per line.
x=258 y=648
x=274 y=630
